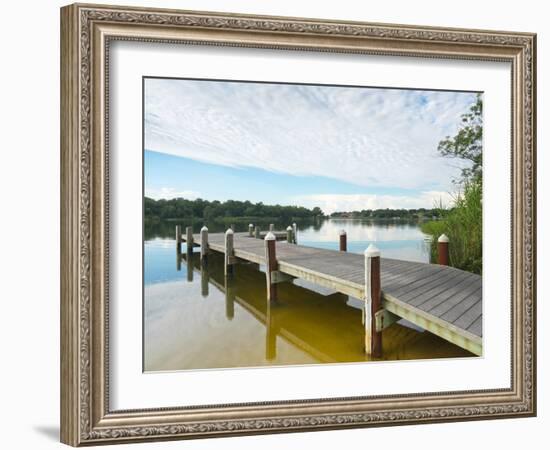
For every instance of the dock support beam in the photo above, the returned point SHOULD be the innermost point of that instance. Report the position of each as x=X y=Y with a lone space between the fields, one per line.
x=289 y=234
x=443 y=250
x=204 y=244
x=189 y=239
x=343 y=241
x=295 y=232
x=271 y=266
x=373 y=301
x=250 y=230
x=257 y=232
x=228 y=254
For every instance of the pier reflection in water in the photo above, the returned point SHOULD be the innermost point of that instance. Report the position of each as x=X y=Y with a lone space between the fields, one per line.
x=196 y=318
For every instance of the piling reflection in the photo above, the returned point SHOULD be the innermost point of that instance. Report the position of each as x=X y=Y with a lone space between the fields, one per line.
x=205 y=280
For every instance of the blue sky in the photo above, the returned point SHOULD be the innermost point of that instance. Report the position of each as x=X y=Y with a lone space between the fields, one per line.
x=339 y=148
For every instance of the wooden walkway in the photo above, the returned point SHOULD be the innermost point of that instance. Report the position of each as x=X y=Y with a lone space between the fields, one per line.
x=441 y=299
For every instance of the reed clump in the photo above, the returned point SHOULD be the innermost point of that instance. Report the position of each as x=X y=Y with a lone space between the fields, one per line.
x=463 y=225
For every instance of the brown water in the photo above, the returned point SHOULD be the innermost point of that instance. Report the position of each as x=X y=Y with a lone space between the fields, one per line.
x=197 y=318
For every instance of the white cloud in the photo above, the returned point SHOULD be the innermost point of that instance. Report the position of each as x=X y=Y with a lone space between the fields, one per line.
x=170 y=193
x=330 y=203
x=369 y=137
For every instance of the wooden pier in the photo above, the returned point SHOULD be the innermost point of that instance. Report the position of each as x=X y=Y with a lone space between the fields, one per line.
x=438 y=298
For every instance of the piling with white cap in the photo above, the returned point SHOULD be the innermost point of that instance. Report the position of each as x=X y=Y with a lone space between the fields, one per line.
x=343 y=241
x=443 y=250
x=228 y=252
x=251 y=229
x=289 y=234
x=271 y=227
x=295 y=232
x=373 y=301
x=204 y=243
x=271 y=266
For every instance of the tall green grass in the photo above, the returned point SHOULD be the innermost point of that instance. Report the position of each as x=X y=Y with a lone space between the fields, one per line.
x=463 y=225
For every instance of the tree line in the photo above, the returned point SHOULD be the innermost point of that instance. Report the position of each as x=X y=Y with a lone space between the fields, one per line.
x=388 y=213
x=181 y=208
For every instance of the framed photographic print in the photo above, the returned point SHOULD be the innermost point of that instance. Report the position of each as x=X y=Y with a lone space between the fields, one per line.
x=276 y=224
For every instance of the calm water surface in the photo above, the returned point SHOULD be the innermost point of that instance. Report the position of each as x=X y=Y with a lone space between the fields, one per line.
x=198 y=319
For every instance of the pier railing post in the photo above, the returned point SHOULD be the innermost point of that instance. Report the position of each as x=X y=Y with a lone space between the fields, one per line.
x=204 y=244
x=228 y=253
x=443 y=250
x=257 y=232
x=289 y=234
x=373 y=301
x=189 y=239
x=343 y=241
x=178 y=239
x=271 y=266
x=250 y=230
x=295 y=232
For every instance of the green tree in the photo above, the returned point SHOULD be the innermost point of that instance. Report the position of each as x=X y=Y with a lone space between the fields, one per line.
x=467 y=143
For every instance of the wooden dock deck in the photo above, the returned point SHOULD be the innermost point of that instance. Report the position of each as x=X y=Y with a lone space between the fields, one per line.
x=441 y=299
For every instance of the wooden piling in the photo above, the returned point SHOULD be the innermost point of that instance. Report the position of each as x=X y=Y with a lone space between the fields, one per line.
x=343 y=241
x=271 y=266
x=189 y=239
x=257 y=232
x=204 y=244
x=289 y=237
x=271 y=227
x=250 y=230
x=295 y=232
x=228 y=253
x=443 y=250
x=373 y=301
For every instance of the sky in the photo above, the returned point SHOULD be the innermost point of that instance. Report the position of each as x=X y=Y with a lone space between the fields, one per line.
x=339 y=148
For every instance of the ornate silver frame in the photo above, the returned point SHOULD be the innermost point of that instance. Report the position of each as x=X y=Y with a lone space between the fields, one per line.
x=86 y=31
